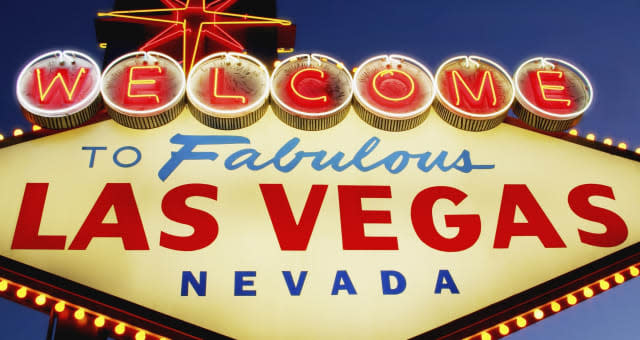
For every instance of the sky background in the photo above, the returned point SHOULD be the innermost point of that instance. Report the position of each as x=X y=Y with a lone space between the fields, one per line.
x=599 y=37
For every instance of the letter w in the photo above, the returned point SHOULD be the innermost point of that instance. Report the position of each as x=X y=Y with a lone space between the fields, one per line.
x=292 y=235
x=59 y=77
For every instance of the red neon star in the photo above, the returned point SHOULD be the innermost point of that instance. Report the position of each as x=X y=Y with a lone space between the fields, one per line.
x=194 y=21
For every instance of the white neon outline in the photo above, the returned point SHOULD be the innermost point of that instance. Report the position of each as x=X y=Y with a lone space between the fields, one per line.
x=458 y=111
x=226 y=113
x=318 y=57
x=239 y=112
x=73 y=109
x=541 y=112
x=389 y=115
x=144 y=113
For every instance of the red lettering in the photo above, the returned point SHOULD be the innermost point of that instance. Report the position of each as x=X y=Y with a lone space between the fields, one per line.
x=129 y=226
x=538 y=224
x=616 y=230
x=29 y=219
x=205 y=227
x=308 y=86
x=292 y=235
x=484 y=98
x=422 y=219
x=218 y=84
x=353 y=218
x=551 y=91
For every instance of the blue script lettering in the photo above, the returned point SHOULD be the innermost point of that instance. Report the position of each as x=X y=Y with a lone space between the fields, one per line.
x=287 y=159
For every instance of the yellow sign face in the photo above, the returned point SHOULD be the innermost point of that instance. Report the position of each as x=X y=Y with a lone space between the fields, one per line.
x=351 y=232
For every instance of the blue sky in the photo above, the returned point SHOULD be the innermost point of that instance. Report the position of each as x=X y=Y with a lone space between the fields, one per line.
x=600 y=37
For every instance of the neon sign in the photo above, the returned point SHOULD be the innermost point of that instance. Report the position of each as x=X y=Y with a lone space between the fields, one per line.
x=311 y=91
x=552 y=94
x=229 y=90
x=59 y=89
x=193 y=23
x=474 y=93
x=143 y=90
x=393 y=92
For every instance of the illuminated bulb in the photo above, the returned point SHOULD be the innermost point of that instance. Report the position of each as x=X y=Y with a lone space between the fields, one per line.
x=607 y=141
x=588 y=292
x=141 y=335
x=40 y=300
x=521 y=322
x=638 y=151
x=538 y=314
x=18 y=132
x=59 y=307
x=21 y=293
x=276 y=63
x=36 y=128
x=354 y=70
x=99 y=321
x=485 y=336
x=618 y=278
x=604 y=285
x=634 y=271
x=622 y=146
x=340 y=65
x=503 y=329
x=119 y=329
x=1 y=138
x=573 y=132
x=79 y=314
x=3 y=286
x=555 y=307
x=591 y=137
x=168 y=339
x=571 y=299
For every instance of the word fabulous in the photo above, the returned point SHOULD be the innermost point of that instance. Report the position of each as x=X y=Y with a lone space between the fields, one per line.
x=227 y=91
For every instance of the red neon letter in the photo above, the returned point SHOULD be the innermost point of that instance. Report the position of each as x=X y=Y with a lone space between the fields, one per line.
x=61 y=76
x=146 y=85
x=488 y=92
x=422 y=218
x=205 y=227
x=129 y=226
x=308 y=86
x=393 y=87
x=353 y=218
x=616 y=230
x=550 y=90
x=217 y=84
x=538 y=224
x=29 y=220
x=292 y=235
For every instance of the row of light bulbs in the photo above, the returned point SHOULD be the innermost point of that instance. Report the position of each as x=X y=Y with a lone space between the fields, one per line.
x=590 y=137
x=117 y=329
x=555 y=306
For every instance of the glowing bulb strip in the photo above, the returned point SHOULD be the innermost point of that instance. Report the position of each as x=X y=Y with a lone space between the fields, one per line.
x=557 y=305
x=41 y=301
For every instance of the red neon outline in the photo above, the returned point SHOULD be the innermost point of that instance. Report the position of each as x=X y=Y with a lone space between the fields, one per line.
x=210 y=14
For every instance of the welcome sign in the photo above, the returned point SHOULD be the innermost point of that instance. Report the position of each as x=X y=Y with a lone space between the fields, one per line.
x=349 y=232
